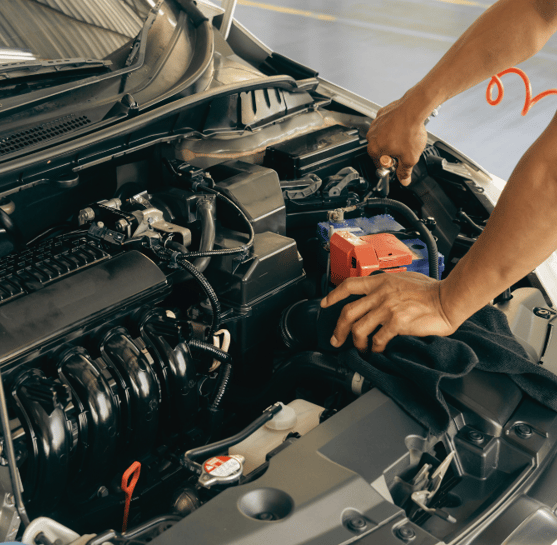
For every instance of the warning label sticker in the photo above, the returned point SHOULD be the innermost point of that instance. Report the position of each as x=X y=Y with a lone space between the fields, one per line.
x=222 y=466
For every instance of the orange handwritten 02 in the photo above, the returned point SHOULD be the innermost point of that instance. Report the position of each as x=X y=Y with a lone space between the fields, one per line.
x=528 y=103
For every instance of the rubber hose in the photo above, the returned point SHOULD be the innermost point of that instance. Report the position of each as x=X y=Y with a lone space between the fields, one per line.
x=208 y=234
x=220 y=446
x=229 y=251
x=427 y=237
x=11 y=228
x=177 y=247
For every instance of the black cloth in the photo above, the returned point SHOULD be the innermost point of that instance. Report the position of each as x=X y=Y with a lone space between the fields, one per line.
x=411 y=369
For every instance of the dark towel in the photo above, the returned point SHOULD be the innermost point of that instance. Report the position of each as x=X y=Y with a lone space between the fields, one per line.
x=411 y=369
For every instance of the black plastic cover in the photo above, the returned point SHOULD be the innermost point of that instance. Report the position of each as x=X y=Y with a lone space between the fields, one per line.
x=323 y=152
x=273 y=263
x=257 y=289
x=31 y=321
x=256 y=190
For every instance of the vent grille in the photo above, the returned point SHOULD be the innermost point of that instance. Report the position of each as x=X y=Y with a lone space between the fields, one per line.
x=42 y=133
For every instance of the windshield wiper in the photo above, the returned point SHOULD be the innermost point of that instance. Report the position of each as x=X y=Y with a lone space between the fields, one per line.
x=140 y=42
x=134 y=61
x=20 y=69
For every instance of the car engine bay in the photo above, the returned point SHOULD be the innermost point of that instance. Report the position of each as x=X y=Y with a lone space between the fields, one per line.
x=159 y=304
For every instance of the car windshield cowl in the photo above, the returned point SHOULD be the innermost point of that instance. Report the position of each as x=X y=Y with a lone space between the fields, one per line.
x=19 y=69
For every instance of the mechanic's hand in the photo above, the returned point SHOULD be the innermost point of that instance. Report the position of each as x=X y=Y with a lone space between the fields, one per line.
x=397 y=132
x=404 y=303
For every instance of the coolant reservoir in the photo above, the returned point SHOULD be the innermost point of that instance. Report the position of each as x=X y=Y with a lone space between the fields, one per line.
x=298 y=416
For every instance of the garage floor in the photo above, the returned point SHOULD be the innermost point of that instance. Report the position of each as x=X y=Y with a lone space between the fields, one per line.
x=380 y=48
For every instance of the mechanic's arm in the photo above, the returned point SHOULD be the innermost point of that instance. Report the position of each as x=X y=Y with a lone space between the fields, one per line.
x=520 y=234
x=506 y=34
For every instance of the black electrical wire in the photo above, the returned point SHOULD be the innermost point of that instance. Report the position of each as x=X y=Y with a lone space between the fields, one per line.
x=427 y=237
x=225 y=378
x=226 y=372
x=180 y=259
x=228 y=251
x=462 y=215
x=217 y=353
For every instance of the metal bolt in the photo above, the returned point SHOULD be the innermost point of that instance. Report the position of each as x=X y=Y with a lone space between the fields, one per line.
x=356 y=524
x=121 y=225
x=102 y=492
x=266 y=516
x=544 y=313
x=406 y=533
x=150 y=220
x=100 y=224
x=475 y=436
x=524 y=431
x=9 y=499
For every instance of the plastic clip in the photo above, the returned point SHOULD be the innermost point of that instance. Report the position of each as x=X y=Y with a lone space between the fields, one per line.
x=173 y=263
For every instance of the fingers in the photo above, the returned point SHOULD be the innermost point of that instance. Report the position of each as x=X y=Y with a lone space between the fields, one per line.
x=366 y=326
x=404 y=173
x=351 y=286
x=352 y=313
x=382 y=337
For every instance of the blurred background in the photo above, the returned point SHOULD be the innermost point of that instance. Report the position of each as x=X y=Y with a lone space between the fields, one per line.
x=380 y=48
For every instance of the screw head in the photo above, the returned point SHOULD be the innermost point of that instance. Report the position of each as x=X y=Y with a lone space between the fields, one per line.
x=475 y=436
x=524 y=431
x=266 y=516
x=544 y=313
x=406 y=533
x=356 y=524
x=102 y=492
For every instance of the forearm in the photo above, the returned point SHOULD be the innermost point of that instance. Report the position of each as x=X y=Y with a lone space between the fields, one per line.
x=508 y=33
x=521 y=233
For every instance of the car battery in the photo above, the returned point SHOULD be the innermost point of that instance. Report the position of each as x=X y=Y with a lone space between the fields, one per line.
x=357 y=256
x=420 y=257
x=354 y=256
x=358 y=226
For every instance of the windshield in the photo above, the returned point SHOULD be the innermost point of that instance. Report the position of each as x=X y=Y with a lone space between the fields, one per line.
x=66 y=29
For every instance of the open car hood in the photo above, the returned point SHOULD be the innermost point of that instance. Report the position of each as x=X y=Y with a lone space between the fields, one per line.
x=222 y=201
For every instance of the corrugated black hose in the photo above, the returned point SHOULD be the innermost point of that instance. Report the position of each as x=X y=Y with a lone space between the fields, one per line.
x=225 y=374
x=179 y=259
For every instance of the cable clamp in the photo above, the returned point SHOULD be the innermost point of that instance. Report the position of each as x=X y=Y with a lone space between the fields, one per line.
x=173 y=263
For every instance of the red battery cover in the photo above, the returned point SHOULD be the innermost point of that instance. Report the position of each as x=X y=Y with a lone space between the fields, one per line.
x=353 y=256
